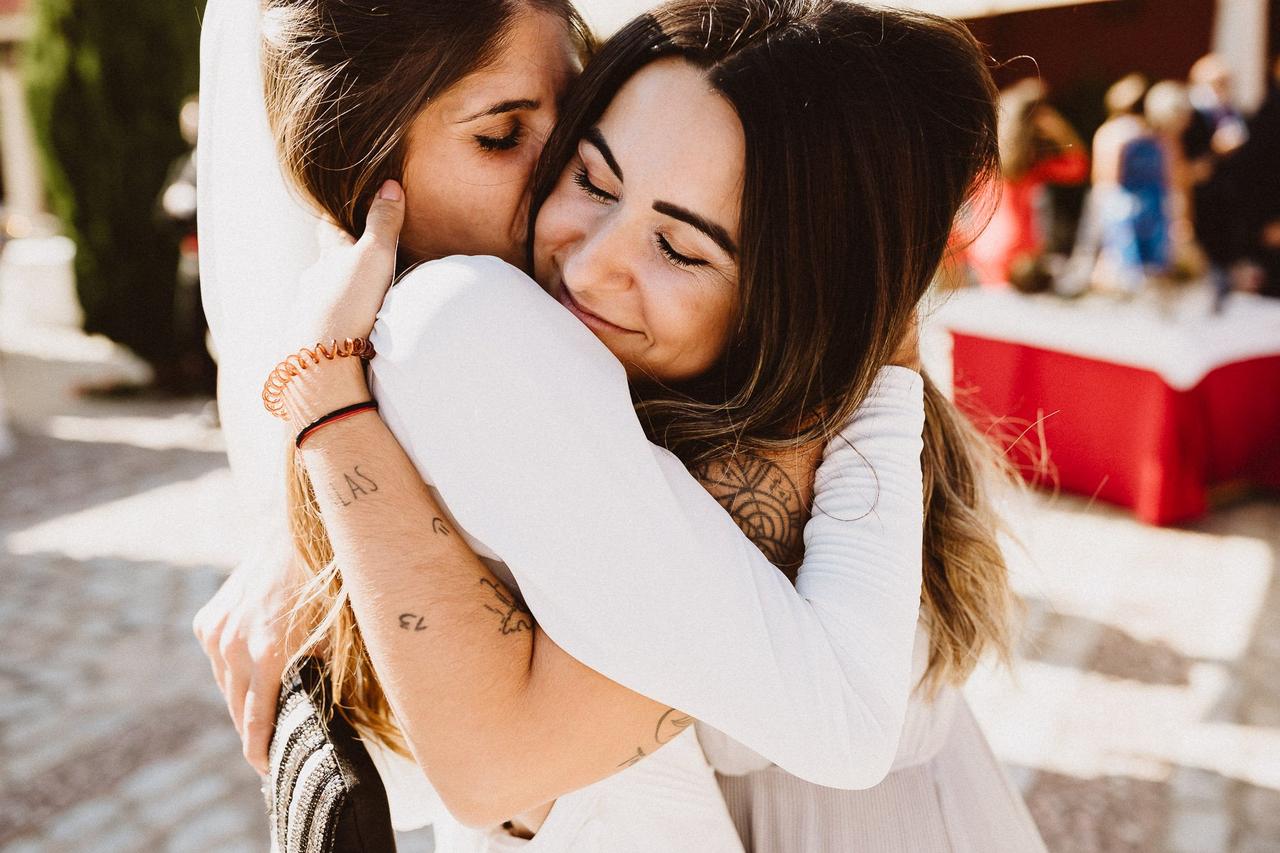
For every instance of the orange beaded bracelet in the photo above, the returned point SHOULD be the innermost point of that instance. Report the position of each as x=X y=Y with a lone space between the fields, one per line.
x=273 y=388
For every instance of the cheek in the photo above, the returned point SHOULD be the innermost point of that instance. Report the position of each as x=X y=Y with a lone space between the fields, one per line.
x=690 y=326
x=561 y=221
x=425 y=211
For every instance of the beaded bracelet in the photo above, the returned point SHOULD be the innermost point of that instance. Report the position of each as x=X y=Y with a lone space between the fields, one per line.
x=273 y=388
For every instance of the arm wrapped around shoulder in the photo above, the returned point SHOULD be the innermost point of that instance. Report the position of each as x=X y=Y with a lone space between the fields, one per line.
x=524 y=423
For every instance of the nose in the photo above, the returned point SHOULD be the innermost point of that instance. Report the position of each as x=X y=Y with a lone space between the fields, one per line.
x=599 y=263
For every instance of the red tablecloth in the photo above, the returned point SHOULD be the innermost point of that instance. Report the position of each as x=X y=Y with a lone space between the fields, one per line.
x=1122 y=433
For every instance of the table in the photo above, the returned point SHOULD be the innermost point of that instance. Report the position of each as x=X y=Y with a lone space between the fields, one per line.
x=1145 y=404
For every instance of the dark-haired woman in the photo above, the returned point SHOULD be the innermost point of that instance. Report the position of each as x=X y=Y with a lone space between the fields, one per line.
x=500 y=716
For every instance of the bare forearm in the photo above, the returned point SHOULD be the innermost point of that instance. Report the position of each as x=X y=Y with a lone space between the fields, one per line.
x=452 y=649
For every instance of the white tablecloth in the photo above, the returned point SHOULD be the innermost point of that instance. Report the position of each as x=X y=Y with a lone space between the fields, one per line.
x=1176 y=336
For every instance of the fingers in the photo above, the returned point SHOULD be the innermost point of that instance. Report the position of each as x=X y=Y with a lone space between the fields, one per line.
x=237 y=685
x=259 y=720
x=386 y=216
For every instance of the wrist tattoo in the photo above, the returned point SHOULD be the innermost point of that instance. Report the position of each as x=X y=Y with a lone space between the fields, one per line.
x=438 y=526
x=763 y=500
x=413 y=622
x=354 y=486
x=502 y=602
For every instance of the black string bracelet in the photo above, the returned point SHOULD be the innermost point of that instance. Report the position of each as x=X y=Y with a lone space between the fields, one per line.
x=333 y=417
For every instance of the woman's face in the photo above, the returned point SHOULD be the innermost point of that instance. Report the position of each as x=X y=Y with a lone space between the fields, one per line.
x=470 y=153
x=639 y=238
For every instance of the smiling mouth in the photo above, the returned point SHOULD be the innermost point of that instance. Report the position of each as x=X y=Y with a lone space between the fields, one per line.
x=594 y=321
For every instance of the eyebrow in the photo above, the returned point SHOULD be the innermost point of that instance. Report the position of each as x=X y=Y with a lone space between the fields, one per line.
x=504 y=107
x=717 y=233
x=712 y=230
x=596 y=138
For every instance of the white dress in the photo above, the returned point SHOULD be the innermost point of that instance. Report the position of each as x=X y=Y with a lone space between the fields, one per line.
x=473 y=378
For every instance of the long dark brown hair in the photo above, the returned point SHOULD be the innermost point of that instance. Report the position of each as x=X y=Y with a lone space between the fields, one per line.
x=867 y=131
x=344 y=80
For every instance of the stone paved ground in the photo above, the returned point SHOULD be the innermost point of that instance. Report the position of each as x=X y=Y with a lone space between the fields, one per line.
x=1143 y=715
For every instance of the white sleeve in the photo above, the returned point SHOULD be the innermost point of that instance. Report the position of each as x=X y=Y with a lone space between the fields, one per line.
x=524 y=423
x=256 y=238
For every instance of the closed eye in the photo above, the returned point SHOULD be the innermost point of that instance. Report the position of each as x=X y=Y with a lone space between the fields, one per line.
x=583 y=180
x=677 y=258
x=501 y=143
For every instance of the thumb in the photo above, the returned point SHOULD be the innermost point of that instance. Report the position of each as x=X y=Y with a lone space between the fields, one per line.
x=386 y=216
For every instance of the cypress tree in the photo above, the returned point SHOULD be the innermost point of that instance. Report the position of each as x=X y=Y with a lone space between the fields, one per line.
x=105 y=81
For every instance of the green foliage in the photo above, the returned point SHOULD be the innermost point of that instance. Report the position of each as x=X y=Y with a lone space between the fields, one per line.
x=105 y=80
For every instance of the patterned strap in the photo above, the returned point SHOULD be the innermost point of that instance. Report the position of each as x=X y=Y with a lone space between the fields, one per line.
x=323 y=791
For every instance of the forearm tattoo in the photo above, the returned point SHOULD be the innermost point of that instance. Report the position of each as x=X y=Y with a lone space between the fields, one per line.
x=765 y=503
x=635 y=759
x=670 y=724
x=499 y=600
x=413 y=622
x=353 y=487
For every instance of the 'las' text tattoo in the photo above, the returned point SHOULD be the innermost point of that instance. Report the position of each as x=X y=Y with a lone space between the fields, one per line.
x=413 y=622
x=763 y=500
x=514 y=619
x=438 y=525
x=671 y=724
x=353 y=487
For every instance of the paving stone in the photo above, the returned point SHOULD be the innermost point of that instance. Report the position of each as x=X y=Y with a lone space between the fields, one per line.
x=87 y=820
x=126 y=837
x=217 y=825
x=1257 y=844
x=1198 y=787
x=185 y=800
x=1196 y=831
x=1262 y=809
x=158 y=780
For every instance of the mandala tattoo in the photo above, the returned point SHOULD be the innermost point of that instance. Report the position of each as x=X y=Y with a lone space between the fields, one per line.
x=514 y=620
x=764 y=502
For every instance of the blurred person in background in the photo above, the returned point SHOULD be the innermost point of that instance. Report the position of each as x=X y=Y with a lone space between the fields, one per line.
x=1169 y=113
x=1217 y=131
x=1218 y=127
x=193 y=370
x=1257 y=163
x=1038 y=147
x=1130 y=184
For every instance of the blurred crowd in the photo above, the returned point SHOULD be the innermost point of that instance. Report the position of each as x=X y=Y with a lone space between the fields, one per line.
x=1183 y=185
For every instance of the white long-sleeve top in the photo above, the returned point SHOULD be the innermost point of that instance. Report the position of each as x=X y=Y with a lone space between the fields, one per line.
x=523 y=422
